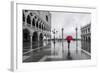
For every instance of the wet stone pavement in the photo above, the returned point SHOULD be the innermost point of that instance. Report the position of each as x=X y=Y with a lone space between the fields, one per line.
x=57 y=52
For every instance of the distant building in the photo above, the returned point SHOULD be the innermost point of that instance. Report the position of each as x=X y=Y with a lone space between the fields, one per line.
x=86 y=38
x=36 y=28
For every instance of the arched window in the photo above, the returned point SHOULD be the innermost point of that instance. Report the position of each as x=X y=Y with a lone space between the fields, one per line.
x=28 y=19
x=37 y=24
x=46 y=18
x=33 y=22
x=88 y=29
x=23 y=17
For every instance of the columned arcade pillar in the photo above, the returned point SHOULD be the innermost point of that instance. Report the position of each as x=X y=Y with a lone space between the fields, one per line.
x=31 y=36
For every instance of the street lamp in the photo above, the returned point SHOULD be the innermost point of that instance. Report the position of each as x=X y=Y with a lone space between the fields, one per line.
x=54 y=32
x=76 y=39
x=62 y=33
x=62 y=40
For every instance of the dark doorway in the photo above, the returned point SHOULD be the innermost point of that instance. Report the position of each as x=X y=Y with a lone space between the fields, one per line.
x=35 y=40
x=26 y=39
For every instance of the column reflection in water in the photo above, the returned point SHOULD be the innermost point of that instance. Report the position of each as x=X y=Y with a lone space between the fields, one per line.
x=63 y=50
x=52 y=48
x=62 y=47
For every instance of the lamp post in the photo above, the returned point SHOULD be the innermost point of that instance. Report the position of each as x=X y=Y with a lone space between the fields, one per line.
x=54 y=32
x=62 y=33
x=76 y=39
x=62 y=40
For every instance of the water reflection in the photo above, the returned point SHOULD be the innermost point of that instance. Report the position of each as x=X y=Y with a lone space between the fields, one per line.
x=60 y=49
x=57 y=51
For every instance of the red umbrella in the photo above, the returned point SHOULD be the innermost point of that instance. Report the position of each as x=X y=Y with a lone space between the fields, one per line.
x=69 y=38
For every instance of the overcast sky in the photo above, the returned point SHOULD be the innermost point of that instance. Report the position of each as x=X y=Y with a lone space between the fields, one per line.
x=69 y=21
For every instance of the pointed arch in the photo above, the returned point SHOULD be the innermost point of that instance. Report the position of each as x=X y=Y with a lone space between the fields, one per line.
x=28 y=19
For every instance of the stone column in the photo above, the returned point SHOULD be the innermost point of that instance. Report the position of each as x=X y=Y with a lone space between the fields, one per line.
x=31 y=21
x=84 y=43
x=35 y=23
x=25 y=19
x=38 y=39
x=31 y=35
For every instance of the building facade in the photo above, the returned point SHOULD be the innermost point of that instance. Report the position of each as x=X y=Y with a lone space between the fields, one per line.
x=36 y=28
x=86 y=38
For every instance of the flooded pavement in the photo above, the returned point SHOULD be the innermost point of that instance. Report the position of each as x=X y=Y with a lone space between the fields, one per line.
x=57 y=51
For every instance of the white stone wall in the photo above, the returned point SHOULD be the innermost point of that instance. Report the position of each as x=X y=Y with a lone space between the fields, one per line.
x=86 y=37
